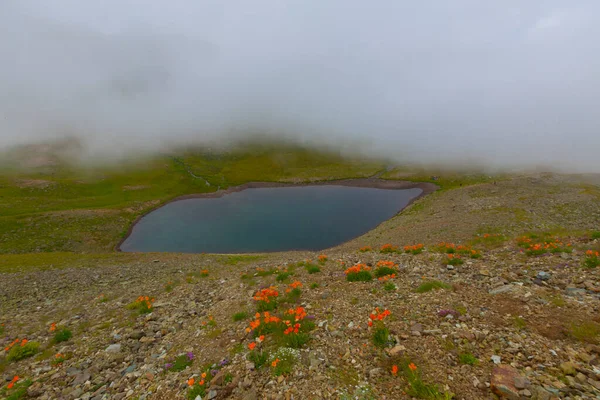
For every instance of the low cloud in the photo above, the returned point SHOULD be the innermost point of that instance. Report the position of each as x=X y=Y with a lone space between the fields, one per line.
x=502 y=84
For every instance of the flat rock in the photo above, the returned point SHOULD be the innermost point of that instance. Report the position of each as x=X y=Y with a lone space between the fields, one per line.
x=502 y=382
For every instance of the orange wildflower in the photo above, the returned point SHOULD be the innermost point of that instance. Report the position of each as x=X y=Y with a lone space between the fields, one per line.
x=412 y=367
x=252 y=345
x=275 y=362
x=191 y=382
x=203 y=375
x=394 y=369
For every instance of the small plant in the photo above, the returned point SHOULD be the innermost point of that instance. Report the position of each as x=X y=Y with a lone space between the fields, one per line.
x=595 y=235
x=240 y=316
x=467 y=358
x=365 y=249
x=432 y=285
x=384 y=271
x=592 y=259
x=1 y=329
x=388 y=249
x=16 y=389
x=312 y=269
x=143 y=305
x=358 y=273
x=381 y=334
x=204 y=273
x=198 y=387
x=20 y=349
x=102 y=298
x=489 y=240
x=258 y=357
x=416 y=249
x=58 y=359
x=417 y=387
x=62 y=335
x=323 y=259
x=283 y=276
x=283 y=360
x=314 y=285
x=180 y=363
x=293 y=292
x=169 y=287
x=520 y=323
x=389 y=286
x=586 y=331
x=454 y=259
x=475 y=254
x=266 y=299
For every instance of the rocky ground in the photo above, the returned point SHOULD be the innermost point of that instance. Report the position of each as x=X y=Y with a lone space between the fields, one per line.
x=506 y=324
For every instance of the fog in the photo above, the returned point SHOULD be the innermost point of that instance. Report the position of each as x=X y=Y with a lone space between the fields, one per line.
x=505 y=83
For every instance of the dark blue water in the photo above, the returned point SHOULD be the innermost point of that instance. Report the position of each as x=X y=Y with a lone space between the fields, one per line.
x=267 y=219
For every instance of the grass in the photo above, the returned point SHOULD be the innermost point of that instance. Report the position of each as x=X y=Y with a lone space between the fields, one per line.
x=361 y=276
x=591 y=262
x=468 y=359
x=381 y=336
x=284 y=360
x=240 y=316
x=180 y=363
x=238 y=259
x=383 y=271
x=417 y=387
x=312 y=269
x=80 y=208
x=18 y=392
x=595 y=235
x=586 y=331
x=314 y=285
x=519 y=323
x=18 y=352
x=389 y=286
x=62 y=335
x=432 y=285
x=283 y=276
x=258 y=357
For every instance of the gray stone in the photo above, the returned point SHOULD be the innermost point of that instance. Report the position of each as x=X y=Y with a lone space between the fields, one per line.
x=496 y=359
x=502 y=289
x=114 y=348
x=543 y=276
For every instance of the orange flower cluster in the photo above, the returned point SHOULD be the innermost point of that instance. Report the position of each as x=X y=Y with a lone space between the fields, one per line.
x=295 y=328
x=389 y=264
x=275 y=362
x=191 y=382
x=145 y=300
x=15 y=342
x=386 y=277
x=52 y=327
x=412 y=367
x=394 y=370
x=299 y=313
x=591 y=253
x=266 y=294
x=323 y=258
x=357 y=268
x=415 y=249
x=268 y=319
x=378 y=315
x=12 y=382
x=451 y=256
x=293 y=285
x=365 y=249
x=388 y=248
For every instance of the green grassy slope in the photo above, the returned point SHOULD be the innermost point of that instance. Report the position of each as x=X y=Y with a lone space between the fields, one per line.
x=83 y=209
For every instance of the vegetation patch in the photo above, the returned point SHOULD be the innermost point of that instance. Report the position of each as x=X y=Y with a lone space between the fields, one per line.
x=20 y=349
x=432 y=285
x=143 y=305
x=359 y=273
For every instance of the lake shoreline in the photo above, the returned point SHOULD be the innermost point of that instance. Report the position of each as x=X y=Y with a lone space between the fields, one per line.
x=374 y=183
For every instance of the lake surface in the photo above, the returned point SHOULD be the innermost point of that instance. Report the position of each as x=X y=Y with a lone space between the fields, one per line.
x=267 y=219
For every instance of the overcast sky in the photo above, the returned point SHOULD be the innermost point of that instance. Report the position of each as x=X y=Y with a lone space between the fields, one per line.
x=507 y=82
